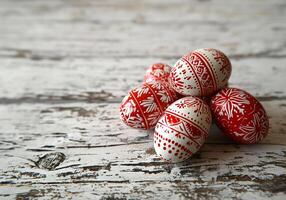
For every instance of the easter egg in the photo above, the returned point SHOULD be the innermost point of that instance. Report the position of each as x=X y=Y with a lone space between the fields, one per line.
x=182 y=130
x=201 y=72
x=144 y=105
x=240 y=116
x=157 y=71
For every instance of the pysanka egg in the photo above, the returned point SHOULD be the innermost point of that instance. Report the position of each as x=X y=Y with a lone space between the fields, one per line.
x=240 y=116
x=157 y=71
x=144 y=105
x=183 y=129
x=201 y=72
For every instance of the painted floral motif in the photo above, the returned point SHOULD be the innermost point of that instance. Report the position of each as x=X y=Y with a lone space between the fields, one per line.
x=198 y=105
x=256 y=129
x=157 y=85
x=176 y=79
x=141 y=90
x=192 y=102
x=149 y=103
x=158 y=71
x=129 y=108
x=135 y=121
x=164 y=97
x=153 y=118
x=223 y=61
x=206 y=83
x=187 y=103
x=230 y=102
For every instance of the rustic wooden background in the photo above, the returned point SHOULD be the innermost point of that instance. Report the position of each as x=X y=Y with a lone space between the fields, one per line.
x=65 y=66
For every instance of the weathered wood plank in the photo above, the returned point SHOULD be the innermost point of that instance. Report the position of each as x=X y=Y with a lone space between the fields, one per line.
x=93 y=80
x=132 y=29
x=94 y=125
x=130 y=20
x=99 y=149
x=247 y=171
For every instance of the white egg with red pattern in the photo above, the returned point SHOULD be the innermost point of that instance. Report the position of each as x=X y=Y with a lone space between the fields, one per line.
x=182 y=130
x=201 y=72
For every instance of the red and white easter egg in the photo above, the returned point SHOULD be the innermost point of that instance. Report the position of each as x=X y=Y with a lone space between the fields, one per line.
x=157 y=71
x=201 y=72
x=144 y=105
x=240 y=116
x=182 y=130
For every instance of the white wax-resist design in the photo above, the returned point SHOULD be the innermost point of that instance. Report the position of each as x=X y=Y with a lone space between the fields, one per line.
x=153 y=118
x=157 y=85
x=141 y=90
x=160 y=72
x=149 y=103
x=255 y=129
x=164 y=97
x=182 y=79
x=230 y=102
x=135 y=121
x=129 y=108
x=157 y=71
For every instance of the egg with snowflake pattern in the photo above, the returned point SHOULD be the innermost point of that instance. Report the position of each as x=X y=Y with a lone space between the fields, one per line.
x=240 y=116
x=144 y=105
x=157 y=71
x=182 y=130
x=201 y=72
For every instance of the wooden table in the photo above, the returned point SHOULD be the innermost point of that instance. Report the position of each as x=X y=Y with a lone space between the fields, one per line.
x=65 y=66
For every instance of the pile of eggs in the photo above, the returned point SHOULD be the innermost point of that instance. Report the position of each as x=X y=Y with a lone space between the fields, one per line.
x=181 y=101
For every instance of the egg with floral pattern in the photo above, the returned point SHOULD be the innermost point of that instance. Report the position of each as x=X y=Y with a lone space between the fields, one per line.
x=182 y=130
x=157 y=71
x=143 y=105
x=240 y=116
x=201 y=72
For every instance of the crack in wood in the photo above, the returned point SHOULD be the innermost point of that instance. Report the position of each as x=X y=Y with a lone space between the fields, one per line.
x=36 y=56
x=79 y=111
x=107 y=145
x=94 y=97
x=50 y=161
x=89 y=97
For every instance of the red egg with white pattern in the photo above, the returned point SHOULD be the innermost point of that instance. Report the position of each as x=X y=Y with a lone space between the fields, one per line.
x=157 y=71
x=240 y=116
x=144 y=105
x=182 y=130
x=201 y=72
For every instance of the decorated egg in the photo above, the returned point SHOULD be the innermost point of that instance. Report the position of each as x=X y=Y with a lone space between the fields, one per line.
x=201 y=72
x=183 y=129
x=157 y=71
x=144 y=105
x=240 y=116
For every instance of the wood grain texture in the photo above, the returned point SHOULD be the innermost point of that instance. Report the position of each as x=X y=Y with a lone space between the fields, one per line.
x=65 y=66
